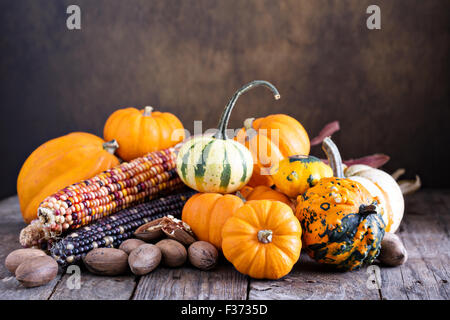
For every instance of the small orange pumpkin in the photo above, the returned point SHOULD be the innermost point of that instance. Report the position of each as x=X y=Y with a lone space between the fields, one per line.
x=58 y=163
x=265 y=193
x=206 y=214
x=139 y=132
x=273 y=138
x=262 y=239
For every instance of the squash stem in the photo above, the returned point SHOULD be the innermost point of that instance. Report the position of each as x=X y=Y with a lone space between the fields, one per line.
x=248 y=123
x=223 y=122
x=334 y=157
x=369 y=209
x=111 y=146
x=265 y=236
x=147 y=111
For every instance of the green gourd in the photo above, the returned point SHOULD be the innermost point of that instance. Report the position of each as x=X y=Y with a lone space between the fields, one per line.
x=217 y=163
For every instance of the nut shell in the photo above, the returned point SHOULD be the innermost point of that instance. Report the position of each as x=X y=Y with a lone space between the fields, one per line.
x=129 y=245
x=16 y=257
x=174 y=254
x=203 y=255
x=106 y=261
x=392 y=253
x=150 y=231
x=178 y=230
x=37 y=271
x=144 y=259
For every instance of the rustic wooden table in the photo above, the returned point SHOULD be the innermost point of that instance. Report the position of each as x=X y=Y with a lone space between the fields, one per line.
x=424 y=231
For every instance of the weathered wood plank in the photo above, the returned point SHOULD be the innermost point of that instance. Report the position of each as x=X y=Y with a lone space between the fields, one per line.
x=11 y=289
x=10 y=225
x=423 y=231
x=93 y=287
x=188 y=283
x=312 y=281
x=424 y=276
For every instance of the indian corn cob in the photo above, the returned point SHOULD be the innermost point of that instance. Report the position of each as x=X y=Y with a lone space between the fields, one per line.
x=117 y=188
x=113 y=230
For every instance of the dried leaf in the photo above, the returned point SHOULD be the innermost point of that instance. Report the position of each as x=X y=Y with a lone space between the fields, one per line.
x=327 y=131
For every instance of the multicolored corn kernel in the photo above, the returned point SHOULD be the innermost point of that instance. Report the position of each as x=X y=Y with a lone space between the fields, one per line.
x=127 y=184
x=111 y=231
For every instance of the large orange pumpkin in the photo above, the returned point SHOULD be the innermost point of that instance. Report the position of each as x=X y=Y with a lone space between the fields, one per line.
x=262 y=239
x=273 y=138
x=206 y=214
x=265 y=193
x=139 y=132
x=58 y=163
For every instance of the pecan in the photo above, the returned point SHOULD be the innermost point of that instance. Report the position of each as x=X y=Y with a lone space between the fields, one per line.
x=150 y=231
x=177 y=230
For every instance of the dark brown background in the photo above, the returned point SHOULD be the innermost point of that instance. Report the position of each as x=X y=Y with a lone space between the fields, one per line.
x=388 y=88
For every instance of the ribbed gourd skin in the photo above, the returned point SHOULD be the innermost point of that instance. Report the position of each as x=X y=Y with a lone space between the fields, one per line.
x=111 y=231
x=214 y=165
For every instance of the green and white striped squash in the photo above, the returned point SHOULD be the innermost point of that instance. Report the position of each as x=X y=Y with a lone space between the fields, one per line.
x=217 y=163
x=214 y=165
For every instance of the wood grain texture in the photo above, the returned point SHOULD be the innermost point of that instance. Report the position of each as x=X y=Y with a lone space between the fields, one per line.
x=188 y=283
x=93 y=287
x=388 y=88
x=425 y=236
x=424 y=231
x=10 y=225
x=312 y=281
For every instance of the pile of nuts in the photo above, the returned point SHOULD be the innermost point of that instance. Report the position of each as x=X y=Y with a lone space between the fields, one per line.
x=32 y=267
x=171 y=235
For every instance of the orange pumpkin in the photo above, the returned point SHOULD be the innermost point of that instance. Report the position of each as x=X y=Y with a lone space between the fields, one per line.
x=206 y=214
x=58 y=163
x=139 y=132
x=273 y=138
x=262 y=239
x=265 y=193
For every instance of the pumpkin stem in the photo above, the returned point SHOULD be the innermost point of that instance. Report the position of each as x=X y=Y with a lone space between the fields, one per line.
x=148 y=111
x=248 y=123
x=372 y=208
x=334 y=157
x=111 y=146
x=240 y=196
x=265 y=236
x=223 y=122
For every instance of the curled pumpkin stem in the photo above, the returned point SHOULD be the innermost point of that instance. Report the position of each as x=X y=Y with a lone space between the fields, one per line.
x=334 y=157
x=407 y=186
x=223 y=122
